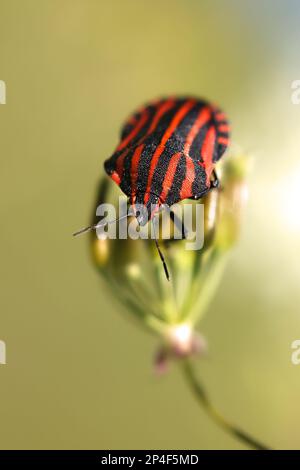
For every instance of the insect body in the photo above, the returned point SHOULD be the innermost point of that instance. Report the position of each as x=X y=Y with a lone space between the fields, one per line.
x=167 y=153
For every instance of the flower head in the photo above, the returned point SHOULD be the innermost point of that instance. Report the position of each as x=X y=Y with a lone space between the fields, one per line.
x=133 y=272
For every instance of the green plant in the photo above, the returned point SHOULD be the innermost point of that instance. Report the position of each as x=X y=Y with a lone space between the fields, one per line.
x=171 y=310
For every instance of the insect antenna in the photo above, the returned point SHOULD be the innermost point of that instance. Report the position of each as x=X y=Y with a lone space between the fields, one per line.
x=99 y=224
x=160 y=254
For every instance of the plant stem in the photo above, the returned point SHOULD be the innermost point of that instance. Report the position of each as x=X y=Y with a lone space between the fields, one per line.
x=204 y=400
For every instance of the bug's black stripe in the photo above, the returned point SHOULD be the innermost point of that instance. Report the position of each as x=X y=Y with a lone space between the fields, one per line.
x=220 y=148
x=174 y=192
x=216 y=152
x=199 y=183
x=109 y=166
x=125 y=183
x=110 y=163
x=222 y=134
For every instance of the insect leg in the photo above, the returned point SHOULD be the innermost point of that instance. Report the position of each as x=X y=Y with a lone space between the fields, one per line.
x=160 y=254
x=215 y=183
x=179 y=224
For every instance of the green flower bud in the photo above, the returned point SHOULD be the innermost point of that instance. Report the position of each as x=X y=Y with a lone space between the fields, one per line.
x=134 y=272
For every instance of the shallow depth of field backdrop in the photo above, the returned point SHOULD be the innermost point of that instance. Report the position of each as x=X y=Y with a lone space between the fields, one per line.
x=79 y=372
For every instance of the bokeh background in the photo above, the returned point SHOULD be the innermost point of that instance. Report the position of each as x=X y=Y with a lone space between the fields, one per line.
x=79 y=372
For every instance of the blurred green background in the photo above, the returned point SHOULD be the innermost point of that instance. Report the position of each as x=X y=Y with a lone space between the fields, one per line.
x=79 y=373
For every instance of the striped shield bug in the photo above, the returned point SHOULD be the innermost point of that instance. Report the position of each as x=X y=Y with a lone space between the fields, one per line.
x=167 y=153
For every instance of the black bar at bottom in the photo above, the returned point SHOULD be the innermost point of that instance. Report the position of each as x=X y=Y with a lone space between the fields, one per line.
x=137 y=458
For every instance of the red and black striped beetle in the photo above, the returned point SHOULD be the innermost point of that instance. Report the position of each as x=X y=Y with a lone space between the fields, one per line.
x=167 y=153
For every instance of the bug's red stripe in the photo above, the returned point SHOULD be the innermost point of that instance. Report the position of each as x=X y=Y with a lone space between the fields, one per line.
x=207 y=152
x=201 y=119
x=181 y=113
x=169 y=176
x=187 y=184
x=223 y=140
x=134 y=168
x=141 y=122
x=115 y=177
x=162 y=109
x=223 y=128
x=132 y=120
x=221 y=116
